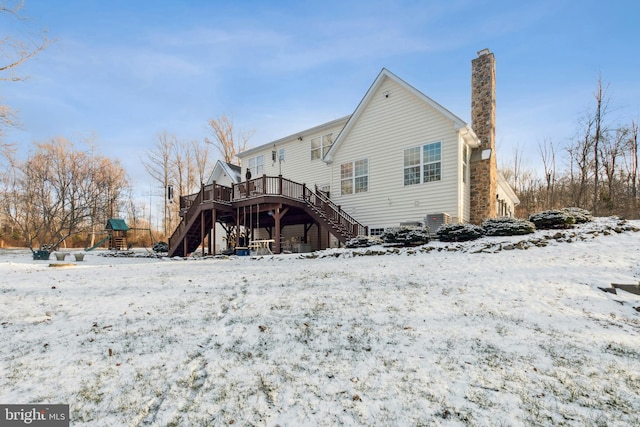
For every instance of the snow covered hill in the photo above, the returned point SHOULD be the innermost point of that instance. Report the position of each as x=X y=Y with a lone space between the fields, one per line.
x=490 y=332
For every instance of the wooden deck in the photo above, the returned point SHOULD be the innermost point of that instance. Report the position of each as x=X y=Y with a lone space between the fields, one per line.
x=267 y=203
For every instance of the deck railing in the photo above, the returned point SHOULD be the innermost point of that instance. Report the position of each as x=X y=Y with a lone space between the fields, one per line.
x=189 y=206
x=267 y=185
x=335 y=213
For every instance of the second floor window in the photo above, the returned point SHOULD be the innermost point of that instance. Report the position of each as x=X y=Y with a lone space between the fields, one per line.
x=423 y=164
x=320 y=146
x=256 y=165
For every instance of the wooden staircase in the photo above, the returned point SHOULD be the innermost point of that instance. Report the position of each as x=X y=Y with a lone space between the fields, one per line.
x=187 y=237
x=330 y=215
x=197 y=210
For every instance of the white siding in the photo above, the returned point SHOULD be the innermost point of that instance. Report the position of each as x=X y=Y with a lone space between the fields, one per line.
x=386 y=127
x=506 y=196
x=464 y=191
x=221 y=177
x=297 y=165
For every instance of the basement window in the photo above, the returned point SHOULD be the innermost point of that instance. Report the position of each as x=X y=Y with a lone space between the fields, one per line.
x=376 y=231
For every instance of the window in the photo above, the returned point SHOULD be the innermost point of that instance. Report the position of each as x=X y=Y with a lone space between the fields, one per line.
x=354 y=177
x=256 y=165
x=281 y=155
x=325 y=189
x=376 y=231
x=320 y=146
x=346 y=178
x=423 y=164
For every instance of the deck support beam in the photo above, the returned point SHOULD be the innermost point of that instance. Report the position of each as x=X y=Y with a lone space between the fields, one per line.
x=202 y=233
x=212 y=235
x=278 y=213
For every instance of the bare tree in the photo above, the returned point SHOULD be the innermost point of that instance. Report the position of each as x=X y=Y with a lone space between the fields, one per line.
x=611 y=149
x=580 y=163
x=202 y=157
x=159 y=165
x=602 y=102
x=548 y=156
x=184 y=178
x=14 y=53
x=184 y=168
x=525 y=183
x=226 y=139
x=633 y=149
x=48 y=195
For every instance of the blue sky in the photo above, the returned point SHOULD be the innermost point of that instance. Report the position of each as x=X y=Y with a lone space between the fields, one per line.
x=123 y=71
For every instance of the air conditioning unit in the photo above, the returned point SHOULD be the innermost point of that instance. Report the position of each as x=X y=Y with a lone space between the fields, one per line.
x=435 y=220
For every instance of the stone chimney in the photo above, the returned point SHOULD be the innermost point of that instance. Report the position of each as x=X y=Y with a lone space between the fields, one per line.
x=482 y=165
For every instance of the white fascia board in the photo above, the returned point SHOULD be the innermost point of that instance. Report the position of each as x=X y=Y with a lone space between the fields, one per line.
x=292 y=137
x=458 y=123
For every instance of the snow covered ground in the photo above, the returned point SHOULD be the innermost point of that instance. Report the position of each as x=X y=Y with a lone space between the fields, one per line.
x=450 y=336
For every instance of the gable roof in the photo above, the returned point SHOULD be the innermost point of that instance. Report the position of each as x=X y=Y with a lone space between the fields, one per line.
x=458 y=123
x=294 y=136
x=232 y=171
x=116 y=224
x=504 y=185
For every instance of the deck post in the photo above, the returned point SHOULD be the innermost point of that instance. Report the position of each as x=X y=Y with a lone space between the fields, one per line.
x=276 y=216
x=304 y=191
x=264 y=184
x=202 y=235
x=184 y=246
x=280 y=184
x=212 y=235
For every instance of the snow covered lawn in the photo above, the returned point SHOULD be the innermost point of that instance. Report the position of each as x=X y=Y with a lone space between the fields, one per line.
x=441 y=337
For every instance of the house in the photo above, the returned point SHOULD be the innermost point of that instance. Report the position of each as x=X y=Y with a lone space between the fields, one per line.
x=400 y=158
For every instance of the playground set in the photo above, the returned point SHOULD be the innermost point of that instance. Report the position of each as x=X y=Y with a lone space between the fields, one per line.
x=116 y=239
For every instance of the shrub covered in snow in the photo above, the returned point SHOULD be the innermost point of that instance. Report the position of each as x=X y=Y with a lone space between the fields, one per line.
x=581 y=215
x=553 y=219
x=363 y=241
x=459 y=232
x=406 y=236
x=507 y=226
x=160 y=247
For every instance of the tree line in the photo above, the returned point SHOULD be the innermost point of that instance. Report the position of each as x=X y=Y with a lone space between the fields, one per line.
x=596 y=170
x=59 y=191
x=63 y=193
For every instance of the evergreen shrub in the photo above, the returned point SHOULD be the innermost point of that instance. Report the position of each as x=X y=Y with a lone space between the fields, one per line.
x=507 y=226
x=459 y=232
x=406 y=236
